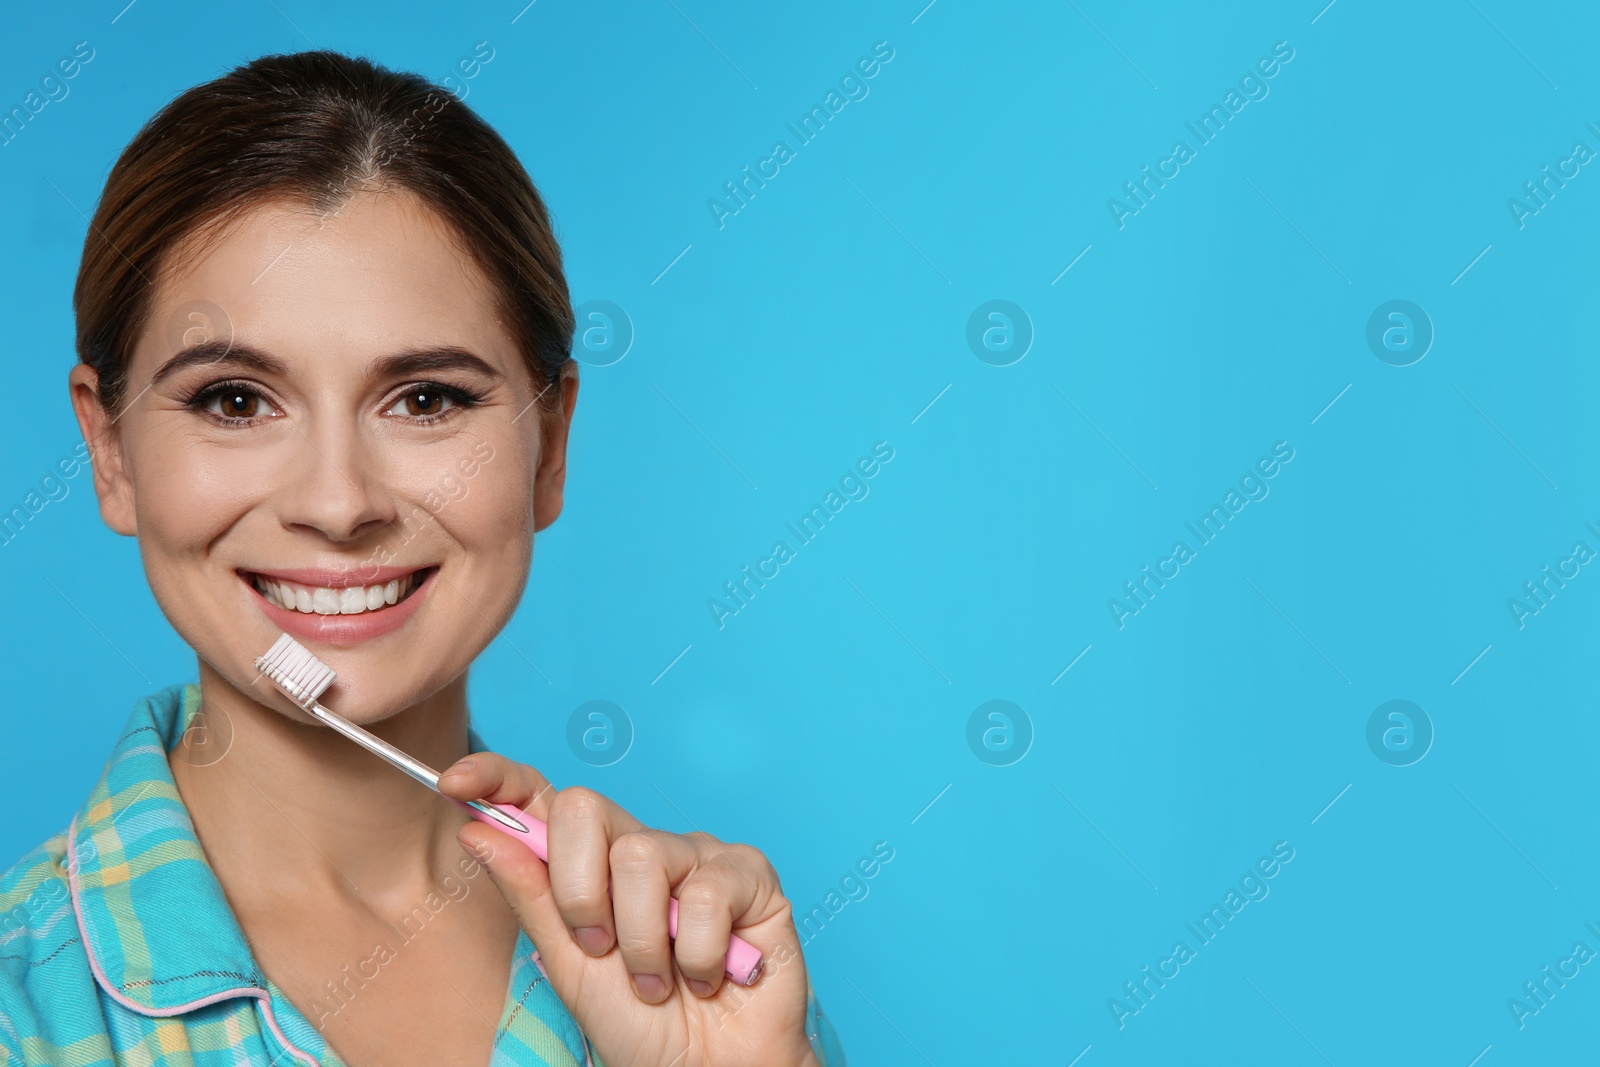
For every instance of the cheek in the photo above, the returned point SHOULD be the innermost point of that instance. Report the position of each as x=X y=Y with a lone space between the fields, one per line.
x=190 y=501
x=490 y=514
x=187 y=495
x=495 y=502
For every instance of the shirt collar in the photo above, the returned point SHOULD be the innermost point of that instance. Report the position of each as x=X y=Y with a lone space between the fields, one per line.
x=158 y=931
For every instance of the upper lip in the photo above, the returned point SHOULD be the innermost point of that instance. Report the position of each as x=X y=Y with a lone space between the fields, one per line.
x=317 y=577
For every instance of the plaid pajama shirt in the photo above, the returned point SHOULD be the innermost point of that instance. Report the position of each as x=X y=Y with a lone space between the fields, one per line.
x=118 y=946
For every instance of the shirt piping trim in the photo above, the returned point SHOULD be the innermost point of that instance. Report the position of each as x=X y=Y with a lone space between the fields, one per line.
x=117 y=995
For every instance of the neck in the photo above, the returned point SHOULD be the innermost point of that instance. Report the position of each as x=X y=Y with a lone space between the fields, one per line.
x=283 y=805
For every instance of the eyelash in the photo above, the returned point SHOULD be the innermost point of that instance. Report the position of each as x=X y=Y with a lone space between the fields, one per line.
x=199 y=401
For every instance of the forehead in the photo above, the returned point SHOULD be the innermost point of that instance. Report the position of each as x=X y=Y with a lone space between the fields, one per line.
x=381 y=272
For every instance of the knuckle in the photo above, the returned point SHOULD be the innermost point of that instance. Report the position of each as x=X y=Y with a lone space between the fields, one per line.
x=576 y=895
x=743 y=855
x=489 y=758
x=750 y=860
x=701 y=898
x=697 y=960
x=764 y=866
x=575 y=800
x=699 y=951
x=489 y=764
x=634 y=851
x=637 y=948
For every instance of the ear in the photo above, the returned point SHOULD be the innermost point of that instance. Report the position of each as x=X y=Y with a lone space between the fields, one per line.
x=550 y=480
x=99 y=429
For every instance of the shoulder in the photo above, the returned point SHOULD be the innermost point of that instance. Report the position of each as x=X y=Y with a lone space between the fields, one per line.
x=46 y=861
x=35 y=908
x=38 y=942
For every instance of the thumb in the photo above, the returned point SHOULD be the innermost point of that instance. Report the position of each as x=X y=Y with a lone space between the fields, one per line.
x=524 y=881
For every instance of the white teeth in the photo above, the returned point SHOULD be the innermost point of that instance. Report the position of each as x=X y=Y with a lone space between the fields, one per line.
x=346 y=600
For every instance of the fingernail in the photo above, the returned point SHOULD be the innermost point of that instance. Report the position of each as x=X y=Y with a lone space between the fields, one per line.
x=482 y=853
x=460 y=766
x=593 y=939
x=650 y=987
x=699 y=988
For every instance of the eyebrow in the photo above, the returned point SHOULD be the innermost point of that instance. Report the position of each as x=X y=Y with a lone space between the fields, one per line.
x=220 y=351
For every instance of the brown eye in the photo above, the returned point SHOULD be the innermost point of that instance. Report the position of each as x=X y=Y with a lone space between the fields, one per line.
x=238 y=404
x=424 y=402
x=428 y=402
x=231 y=404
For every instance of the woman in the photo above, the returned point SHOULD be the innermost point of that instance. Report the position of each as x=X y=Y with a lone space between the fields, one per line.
x=326 y=382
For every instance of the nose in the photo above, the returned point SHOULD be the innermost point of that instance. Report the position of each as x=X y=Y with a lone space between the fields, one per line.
x=336 y=486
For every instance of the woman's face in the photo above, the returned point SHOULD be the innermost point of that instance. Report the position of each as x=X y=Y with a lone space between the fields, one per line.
x=331 y=433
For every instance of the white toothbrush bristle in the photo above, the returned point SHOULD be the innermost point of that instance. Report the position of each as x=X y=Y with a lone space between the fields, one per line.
x=293 y=669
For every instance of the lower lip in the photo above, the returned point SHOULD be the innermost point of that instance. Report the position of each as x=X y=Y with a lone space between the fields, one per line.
x=342 y=631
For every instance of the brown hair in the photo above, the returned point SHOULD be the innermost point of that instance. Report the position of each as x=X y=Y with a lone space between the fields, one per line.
x=315 y=127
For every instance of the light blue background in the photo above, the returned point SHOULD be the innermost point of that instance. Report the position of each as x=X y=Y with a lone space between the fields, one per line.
x=824 y=317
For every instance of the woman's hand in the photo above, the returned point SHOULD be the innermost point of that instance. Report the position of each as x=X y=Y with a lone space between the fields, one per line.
x=642 y=999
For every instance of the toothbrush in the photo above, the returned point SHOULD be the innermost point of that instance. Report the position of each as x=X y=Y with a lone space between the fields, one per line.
x=303 y=678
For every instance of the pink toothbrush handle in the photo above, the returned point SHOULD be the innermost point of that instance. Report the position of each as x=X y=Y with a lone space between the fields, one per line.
x=744 y=959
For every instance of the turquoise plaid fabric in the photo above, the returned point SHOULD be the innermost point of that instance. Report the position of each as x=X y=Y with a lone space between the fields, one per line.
x=118 y=946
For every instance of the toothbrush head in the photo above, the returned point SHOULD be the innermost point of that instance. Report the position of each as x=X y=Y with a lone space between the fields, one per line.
x=293 y=669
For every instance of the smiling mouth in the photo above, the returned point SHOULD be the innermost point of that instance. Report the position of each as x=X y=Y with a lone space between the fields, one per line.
x=344 y=600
